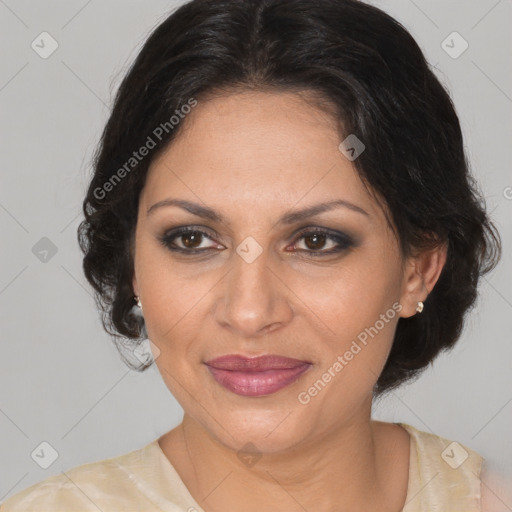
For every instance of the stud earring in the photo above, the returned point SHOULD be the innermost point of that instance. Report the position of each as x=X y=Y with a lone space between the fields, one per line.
x=419 y=309
x=138 y=302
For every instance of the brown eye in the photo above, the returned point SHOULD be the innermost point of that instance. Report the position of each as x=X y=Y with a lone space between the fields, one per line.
x=191 y=240
x=315 y=241
x=187 y=240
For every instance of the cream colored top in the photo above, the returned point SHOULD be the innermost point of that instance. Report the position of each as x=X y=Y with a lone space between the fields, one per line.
x=443 y=476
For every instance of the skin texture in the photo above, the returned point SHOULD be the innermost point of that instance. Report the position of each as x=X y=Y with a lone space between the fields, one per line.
x=253 y=157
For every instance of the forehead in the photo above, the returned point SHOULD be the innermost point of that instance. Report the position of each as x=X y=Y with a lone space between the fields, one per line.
x=256 y=150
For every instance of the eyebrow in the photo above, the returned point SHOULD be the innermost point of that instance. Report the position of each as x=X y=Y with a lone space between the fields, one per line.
x=288 y=218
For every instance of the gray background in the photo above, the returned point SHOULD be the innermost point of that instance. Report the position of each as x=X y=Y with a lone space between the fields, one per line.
x=61 y=379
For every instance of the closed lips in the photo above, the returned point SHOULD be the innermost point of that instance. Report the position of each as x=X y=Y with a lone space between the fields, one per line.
x=255 y=364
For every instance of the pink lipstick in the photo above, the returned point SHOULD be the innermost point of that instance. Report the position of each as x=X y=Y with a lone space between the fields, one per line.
x=256 y=376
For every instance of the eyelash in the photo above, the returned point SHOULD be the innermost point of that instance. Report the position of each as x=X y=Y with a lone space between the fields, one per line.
x=343 y=241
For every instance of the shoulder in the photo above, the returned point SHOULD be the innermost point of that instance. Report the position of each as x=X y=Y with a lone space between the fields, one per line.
x=55 y=493
x=496 y=490
x=446 y=452
x=465 y=473
x=442 y=471
x=80 y=489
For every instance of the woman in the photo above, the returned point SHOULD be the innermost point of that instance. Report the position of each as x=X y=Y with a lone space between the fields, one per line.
x=281 y=203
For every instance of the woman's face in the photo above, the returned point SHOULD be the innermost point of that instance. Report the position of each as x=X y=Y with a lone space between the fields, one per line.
x=258 y=287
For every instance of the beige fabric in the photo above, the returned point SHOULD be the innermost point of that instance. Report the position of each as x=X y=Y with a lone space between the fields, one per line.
x=144 y=480
x=443 y=475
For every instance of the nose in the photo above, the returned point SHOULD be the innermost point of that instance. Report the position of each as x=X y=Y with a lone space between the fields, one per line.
x=254 y=298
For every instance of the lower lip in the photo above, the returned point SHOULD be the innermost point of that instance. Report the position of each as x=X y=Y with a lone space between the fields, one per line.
x=257 y=383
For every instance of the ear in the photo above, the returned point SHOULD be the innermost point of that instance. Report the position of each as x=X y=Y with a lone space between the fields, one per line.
x=135 y=287
x=421 y=273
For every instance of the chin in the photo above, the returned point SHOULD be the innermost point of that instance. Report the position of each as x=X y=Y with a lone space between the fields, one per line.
x=267 y=431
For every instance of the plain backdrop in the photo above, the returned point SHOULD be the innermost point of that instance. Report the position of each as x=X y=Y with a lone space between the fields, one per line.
x=61 y=379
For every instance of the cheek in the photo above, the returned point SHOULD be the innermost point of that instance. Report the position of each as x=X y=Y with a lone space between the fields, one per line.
x=350 y=365
x=171 y=291
x=347 y=298
x=356 y=308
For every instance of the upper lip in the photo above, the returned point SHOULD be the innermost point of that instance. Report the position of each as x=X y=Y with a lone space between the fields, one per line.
x=238 y=362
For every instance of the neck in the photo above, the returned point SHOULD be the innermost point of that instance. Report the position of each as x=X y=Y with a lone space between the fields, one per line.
x=345 y=469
